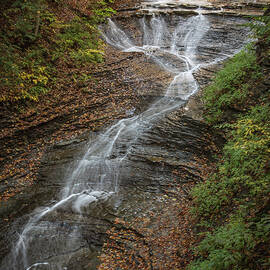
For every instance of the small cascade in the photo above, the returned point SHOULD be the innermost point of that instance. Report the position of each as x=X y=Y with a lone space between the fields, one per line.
x=96 y=177
x=178 y=56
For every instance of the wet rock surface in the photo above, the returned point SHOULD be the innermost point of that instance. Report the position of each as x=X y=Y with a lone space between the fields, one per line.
x=210 y=7
x=176 y=141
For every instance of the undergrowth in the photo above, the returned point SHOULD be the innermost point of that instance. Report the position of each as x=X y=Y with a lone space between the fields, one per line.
x=235 y=246
x=231 y=86
x=35 y=41
x=241 y=173
x=232 y=207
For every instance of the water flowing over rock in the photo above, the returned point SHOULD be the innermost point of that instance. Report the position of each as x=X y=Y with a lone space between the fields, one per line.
x=85 y=184
x=211 y=7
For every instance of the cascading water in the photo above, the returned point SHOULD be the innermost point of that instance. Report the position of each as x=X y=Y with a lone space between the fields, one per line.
x=96 y=176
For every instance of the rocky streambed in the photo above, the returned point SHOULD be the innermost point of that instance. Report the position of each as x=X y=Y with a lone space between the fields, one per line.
x=60 y=222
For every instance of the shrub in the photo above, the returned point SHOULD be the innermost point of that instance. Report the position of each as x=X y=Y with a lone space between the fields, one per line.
x=241 y=174
x=233 y=246
x=79 y=41
x=232 y=206
x=33 y=38
x=230 y=86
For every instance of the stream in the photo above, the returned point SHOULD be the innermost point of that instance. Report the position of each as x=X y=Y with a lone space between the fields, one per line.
x=182 y=46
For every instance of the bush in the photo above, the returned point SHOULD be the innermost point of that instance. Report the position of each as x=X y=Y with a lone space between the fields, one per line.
x=241 y=175
x=233 y=246
x=33 y=38
x=230 y=87
x=232 y=206
x=261 y=26
x=78 y=41
x=237 y=195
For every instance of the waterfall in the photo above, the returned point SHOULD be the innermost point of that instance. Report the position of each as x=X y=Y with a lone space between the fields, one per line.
x=96 y=176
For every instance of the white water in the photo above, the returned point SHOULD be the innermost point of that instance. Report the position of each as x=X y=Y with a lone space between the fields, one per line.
x=97 y=175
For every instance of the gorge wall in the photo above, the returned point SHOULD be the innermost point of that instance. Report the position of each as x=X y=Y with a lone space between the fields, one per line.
x=70 y=235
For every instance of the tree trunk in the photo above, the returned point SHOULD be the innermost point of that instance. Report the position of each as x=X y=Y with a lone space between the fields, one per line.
x=37 y=23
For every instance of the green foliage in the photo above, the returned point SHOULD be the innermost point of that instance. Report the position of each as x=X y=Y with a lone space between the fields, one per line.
x=231 y=246
x=25 y=72
x=34 y=39
x=261 y=26
x=232 y=206
x=79 y=41
x=236 y=192
x=101 y=14
x=33 y=84
x=23 y=29
x=241 y=174
x=23 y=76
x=101 y=11
x=230 y=87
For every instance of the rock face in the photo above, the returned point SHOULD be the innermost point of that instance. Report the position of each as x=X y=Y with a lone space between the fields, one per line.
x=174 y=141
x=172 y=144
x=210 y=7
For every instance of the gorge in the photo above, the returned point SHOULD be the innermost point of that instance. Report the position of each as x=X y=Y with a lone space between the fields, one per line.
x=123 y=170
